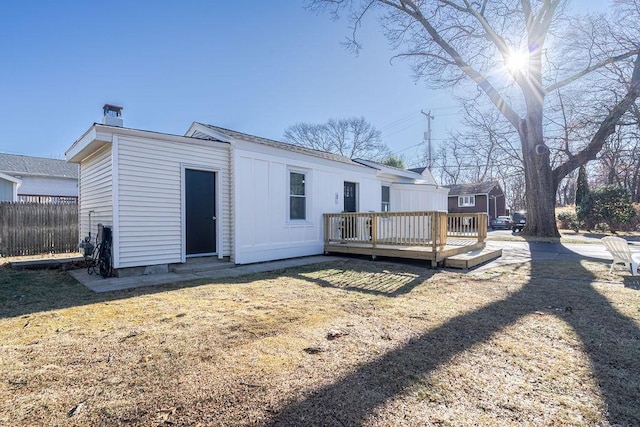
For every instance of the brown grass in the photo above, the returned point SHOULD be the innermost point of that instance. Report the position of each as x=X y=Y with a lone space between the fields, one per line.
x=345 y=343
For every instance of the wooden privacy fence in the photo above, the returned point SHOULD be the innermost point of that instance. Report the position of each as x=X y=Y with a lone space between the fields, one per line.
x=34 y=229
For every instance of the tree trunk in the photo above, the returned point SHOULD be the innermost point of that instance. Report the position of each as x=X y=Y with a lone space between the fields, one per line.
x=539 y=179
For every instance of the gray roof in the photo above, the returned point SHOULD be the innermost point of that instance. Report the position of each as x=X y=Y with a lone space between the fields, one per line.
x=473 y=188
x=282 y=145
x=418 y=170
x=13 y=164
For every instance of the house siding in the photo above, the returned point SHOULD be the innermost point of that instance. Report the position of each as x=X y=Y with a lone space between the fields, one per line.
x=262 y=197
x=150 y=200
x=95 y=192
x=416 y=197
x=6 y=190
x=497 y=204
x=48 y=186
x=480 y=207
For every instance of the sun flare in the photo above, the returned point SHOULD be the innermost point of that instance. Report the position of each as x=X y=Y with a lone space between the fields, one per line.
x=517 y=61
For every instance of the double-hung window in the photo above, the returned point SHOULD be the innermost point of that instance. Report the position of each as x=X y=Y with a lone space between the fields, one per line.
x=297 y=196
x=464 y=201
x=386 y=199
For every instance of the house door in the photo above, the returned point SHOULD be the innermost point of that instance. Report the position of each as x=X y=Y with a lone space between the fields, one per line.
x=350 y=223
x=350 y=196
x=200 y=212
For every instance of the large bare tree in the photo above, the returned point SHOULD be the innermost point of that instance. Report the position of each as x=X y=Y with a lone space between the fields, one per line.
x=516 y=52
x=352 y=137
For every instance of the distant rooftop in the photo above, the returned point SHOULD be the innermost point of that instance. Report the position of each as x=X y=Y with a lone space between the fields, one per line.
x=418 y=170
x=13 y=164
x=473 y=188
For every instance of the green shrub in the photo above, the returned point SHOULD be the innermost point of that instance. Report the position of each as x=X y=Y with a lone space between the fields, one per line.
x=610 y=204
x=569 y=220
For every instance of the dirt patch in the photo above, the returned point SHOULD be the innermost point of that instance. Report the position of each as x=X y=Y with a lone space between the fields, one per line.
x=344 y=343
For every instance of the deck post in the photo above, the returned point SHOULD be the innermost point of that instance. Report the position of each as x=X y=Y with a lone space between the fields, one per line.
x=435 y=228
x=374 y=229
x=482 y=224
x=326 y=221
x=435 y=235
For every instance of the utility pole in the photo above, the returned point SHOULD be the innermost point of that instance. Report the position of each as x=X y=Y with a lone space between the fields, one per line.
x=427 y=137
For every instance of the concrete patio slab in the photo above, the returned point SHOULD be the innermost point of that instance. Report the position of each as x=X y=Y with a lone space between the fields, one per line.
x=99 y=285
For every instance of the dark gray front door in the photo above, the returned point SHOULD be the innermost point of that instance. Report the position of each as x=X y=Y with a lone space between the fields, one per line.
x=350 y=229
x=200 y=211
x=349 y=196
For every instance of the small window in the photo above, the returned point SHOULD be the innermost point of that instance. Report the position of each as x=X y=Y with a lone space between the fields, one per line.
x=464 y=201
x=386 y=201
x=297 y=196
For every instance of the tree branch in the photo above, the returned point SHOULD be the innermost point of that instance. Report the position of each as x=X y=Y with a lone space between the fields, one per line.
x=591 y=69
x=409 y=7
x=606 y=129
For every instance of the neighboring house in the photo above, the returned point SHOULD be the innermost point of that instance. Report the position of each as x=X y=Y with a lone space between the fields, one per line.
x=218 y=192
x=479 y=197
x=40 y=180
x=9 y=188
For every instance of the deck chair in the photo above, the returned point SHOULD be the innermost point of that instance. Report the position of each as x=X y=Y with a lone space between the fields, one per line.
x=621 y=253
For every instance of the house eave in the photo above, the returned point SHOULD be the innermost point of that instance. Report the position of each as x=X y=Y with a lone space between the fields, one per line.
x=90 y=142
x=388 y=171
x=100 y=135
x=10 y=178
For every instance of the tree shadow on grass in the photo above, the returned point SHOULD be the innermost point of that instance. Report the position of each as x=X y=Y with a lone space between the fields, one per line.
x=632 y=282
x=380 y=279
x=610 y=339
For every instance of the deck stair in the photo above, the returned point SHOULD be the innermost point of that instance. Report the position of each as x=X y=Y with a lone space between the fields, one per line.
x=471 y=259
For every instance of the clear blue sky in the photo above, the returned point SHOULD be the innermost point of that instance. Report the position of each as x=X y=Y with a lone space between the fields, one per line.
x=252 y=66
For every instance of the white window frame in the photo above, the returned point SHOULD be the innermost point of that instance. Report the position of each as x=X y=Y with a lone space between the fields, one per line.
x=466 y=201
x=384 y=204
x=307 y=186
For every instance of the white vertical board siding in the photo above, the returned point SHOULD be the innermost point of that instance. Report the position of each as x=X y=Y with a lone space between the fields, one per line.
x=261 y=192
x=95 y=192
x=418 y=197
x=150 y=199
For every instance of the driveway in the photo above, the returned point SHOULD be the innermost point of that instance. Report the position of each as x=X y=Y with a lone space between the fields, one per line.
x=549 y=251
x=514 y=252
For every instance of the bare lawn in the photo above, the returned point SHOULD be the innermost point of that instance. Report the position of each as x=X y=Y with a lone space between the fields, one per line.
x=343 y=343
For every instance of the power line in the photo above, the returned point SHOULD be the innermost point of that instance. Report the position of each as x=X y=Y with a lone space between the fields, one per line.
x=386 y=135
x=399 y=121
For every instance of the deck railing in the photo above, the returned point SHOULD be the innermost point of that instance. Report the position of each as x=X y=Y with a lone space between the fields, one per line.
x=426 y=229
x=467 y=225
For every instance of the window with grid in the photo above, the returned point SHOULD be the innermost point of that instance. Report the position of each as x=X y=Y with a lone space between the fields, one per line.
x=386 y=200
x=465 y=201
x=297 y=196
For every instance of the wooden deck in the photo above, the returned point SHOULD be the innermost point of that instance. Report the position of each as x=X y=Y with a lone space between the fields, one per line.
x=428 y=236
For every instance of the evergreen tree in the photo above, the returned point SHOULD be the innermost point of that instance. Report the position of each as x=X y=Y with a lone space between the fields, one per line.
x=582 y=187
x=394 y=161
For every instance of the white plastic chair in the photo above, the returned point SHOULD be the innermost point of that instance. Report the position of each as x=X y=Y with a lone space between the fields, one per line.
x=621 y=253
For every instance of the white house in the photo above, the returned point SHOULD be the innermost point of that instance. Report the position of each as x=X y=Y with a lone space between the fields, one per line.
x=38 y=179
x=9 y=188
x=218 y=192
